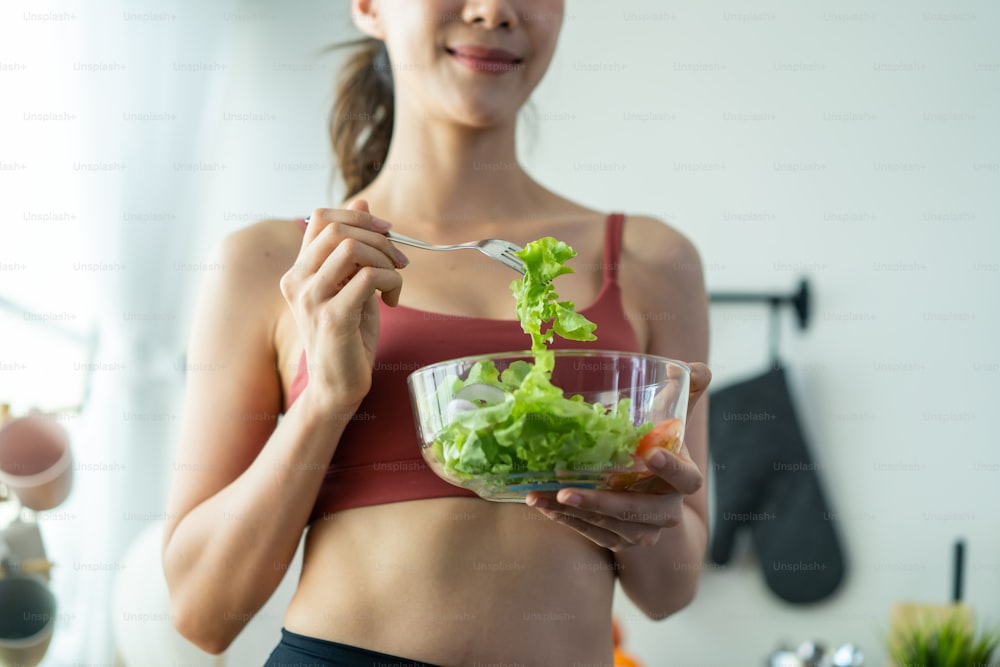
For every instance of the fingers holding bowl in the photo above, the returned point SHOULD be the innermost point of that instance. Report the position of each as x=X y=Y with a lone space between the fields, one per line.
x=612 y=520
x=608 y=532
x=701 y=377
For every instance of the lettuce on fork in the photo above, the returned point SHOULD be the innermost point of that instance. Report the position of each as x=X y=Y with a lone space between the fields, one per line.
x=517 y=421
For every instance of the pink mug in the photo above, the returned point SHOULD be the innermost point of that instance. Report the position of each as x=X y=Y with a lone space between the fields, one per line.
x=36 y=463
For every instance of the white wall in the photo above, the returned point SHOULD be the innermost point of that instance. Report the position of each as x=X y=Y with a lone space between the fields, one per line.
x=853 y=144
x=850 y=144
x=856 y=144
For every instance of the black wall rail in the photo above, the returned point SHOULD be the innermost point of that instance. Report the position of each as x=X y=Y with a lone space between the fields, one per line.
x=799 y=300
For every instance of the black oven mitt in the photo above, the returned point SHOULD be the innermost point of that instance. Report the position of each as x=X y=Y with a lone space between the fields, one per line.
x=764 y=478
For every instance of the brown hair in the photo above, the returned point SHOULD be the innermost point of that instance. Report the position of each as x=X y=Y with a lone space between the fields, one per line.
x=360 y=122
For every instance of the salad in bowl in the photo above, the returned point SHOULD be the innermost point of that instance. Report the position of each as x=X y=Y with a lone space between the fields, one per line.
x=505 y=424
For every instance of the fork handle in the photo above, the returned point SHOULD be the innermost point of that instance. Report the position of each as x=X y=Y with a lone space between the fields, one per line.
x=393 y=236
x=406 y=240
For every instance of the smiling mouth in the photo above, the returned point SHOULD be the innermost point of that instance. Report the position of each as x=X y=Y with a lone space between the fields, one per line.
x=489 y=61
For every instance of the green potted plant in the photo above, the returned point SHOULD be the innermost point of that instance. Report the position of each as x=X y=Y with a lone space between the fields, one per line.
x=949 y=640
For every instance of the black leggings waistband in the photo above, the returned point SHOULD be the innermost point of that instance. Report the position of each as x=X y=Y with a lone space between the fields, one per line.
x=295 y=650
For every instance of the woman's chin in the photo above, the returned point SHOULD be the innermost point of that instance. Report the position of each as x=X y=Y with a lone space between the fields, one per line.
x=485 y=117
x=476 y=109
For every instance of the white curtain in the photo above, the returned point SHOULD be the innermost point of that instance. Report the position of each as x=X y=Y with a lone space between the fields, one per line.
x=170 y=124
x=140 y=118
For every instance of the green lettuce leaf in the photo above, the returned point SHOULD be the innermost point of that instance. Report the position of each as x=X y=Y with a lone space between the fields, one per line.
x=536 y=301
x=537 y=428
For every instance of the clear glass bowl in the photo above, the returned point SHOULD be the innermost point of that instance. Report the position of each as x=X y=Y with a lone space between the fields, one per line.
x=656 y=389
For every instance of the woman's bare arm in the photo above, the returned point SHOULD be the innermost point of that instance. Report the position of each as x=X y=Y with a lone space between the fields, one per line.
x=658 y=539
x=245 y=484
x=663 y=578
x=242 y=485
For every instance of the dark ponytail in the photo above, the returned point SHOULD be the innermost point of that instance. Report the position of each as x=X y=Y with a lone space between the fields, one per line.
x=361 y=119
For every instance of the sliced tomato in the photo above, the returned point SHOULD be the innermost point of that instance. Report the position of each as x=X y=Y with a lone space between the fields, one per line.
x=665 y=435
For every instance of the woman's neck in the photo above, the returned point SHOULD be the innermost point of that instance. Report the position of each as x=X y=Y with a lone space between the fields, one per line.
x=439 y=175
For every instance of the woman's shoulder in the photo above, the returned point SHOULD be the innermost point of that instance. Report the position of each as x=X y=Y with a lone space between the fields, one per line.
x=647 y=239
x=659 y=262
x=261 y=249
x=651 y=241
x=648 y=243
x=266 y=234
x=251 y=261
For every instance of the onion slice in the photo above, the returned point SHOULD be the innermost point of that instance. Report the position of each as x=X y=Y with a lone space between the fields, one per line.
x=460 y=405
x=486 y=393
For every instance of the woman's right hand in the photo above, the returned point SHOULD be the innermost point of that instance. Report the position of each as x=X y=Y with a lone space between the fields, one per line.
x=345 y=258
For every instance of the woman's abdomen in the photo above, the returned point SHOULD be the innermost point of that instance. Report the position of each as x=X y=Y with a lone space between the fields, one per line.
x=456 y=581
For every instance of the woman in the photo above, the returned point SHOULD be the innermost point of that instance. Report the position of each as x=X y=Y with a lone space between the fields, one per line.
x=400 y=567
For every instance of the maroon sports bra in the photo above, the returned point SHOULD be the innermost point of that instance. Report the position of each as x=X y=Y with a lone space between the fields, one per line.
x=378 y=458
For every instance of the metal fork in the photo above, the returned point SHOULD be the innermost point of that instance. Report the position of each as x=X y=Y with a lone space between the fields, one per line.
x=498 y=249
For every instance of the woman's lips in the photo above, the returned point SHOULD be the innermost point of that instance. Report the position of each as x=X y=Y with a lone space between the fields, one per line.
x=486 y=60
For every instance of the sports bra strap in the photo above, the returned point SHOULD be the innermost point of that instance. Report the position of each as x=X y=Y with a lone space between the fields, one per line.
x=613 y=246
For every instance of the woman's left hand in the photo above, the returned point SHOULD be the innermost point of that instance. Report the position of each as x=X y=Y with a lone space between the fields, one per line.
x=619 y=520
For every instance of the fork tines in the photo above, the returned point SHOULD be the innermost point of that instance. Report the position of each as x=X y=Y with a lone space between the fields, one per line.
x=512 y=260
